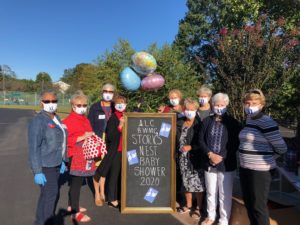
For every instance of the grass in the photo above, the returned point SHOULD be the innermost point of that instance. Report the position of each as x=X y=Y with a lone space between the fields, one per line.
x=62 y=111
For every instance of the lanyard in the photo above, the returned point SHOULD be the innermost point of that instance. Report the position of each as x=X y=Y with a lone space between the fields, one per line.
x=107 y=113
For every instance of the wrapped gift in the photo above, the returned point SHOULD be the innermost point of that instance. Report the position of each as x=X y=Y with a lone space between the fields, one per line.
x=94 y=147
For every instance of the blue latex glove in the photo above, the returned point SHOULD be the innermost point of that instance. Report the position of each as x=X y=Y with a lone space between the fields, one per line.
x=62 y=167
x=40 y=179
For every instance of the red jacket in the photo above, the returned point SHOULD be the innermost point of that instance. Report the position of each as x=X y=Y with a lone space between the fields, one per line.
x=77 y=125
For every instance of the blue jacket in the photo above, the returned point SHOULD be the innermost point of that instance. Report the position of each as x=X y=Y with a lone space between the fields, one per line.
x=45 y=140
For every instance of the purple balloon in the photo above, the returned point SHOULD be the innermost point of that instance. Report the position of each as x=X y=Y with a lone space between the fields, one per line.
x=152 y=82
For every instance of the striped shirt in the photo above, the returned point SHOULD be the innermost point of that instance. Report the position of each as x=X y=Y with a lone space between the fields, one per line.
x=259 y=141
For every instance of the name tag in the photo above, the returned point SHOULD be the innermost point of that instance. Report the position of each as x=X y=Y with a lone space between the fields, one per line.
x=101 y=117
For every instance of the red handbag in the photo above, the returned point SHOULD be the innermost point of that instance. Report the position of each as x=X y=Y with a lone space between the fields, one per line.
x=94 y=147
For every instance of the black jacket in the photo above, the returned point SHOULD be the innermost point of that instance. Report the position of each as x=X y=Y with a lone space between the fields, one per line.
x=194 y=155
x=112 y=134
x=229 y=142
x=97 y=118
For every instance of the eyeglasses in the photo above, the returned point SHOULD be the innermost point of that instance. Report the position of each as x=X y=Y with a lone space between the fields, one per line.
x=107 y=91
x=49 y=101
x=81 y=105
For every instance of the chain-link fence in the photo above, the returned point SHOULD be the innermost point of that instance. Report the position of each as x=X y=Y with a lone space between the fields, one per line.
x=26 y=98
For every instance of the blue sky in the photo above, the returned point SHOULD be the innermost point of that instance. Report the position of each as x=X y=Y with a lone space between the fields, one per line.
x=53 y=35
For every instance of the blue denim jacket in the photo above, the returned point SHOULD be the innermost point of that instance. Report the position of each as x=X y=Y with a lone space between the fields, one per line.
x=45 y=140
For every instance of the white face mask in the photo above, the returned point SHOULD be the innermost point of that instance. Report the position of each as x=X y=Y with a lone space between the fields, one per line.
x=50 y=107
x=220 y=110
x=252 y=110
x=80 y=110
x=108 y=97
x=120 y=107
x=203 y=101
x=174 y=101
x=190 y=114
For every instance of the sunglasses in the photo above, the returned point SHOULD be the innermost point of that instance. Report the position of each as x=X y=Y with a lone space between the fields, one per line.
x=81 y=105
x=106 y=91
x=49 y=101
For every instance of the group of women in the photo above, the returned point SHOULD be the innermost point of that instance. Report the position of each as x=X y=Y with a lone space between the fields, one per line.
x=207 y=142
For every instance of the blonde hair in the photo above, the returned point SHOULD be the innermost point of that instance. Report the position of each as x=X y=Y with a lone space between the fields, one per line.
x=204 y=89
x=79 y=95
x=176 y=91
x=220 y=96
x=108 y=85
x=255 y=94
x=191 y=101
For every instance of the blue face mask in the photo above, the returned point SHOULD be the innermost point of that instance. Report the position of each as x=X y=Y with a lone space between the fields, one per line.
x=252 y=110
x=220 y=110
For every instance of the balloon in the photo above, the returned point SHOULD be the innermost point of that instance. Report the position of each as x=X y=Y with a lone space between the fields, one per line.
x=143 y=63
x=130 y=80
x=153 y=82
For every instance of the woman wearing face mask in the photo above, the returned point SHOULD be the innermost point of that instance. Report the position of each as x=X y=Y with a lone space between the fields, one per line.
x=99 y=114
x=260 y=140
x=204 y=94
x=111 y=164
x=174 y=106
x=189 y=156
x=47 y=153
x=219 y=142
x=79 y=129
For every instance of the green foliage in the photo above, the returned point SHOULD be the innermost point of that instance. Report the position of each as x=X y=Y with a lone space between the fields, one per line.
x=91 y=77
x=43 y=81
x=204 y=19
x=212 y=39
x=257 y=58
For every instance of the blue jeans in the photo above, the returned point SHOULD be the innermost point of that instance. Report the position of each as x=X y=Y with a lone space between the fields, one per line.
x=48 y=195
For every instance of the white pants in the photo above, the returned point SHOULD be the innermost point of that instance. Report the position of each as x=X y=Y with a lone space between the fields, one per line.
x=219 y=183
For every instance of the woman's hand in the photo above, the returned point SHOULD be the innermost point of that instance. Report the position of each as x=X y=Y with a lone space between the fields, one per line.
x=84 y=136
x=215 y=159
x=121 y=123
x=88 y=134
x=186 y=148
x=161 y=109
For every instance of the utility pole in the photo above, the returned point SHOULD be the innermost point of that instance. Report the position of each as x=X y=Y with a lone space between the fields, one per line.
x=3 y=82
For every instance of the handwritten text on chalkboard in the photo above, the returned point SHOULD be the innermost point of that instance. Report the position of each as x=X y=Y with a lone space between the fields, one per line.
x=147 y=138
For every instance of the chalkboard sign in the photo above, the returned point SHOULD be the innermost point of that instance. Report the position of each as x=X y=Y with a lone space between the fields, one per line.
x=148 y=163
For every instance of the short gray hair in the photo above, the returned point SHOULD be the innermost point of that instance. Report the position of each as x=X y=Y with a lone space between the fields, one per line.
x=204 y=89
x=191 y=101
x=78 y=95
x=52 y=92
x=108 y=85
x=220 y=96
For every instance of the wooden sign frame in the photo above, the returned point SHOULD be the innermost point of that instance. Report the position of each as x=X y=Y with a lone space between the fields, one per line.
x=139 y=210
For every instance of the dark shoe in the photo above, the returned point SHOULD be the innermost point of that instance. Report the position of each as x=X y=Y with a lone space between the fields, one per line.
x=113 y=206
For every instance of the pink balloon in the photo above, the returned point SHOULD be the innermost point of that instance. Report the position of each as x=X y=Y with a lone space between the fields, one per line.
x=152 y=82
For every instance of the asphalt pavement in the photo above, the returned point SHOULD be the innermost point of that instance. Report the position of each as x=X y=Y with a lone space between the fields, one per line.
x=18 y=193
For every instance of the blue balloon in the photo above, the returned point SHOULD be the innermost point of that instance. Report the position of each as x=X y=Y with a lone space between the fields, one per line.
x=130 y=80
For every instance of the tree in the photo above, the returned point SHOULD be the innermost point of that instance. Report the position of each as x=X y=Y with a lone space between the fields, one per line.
x=43 y=81
x=205 y=18
x=91 y=77
x=257 y=56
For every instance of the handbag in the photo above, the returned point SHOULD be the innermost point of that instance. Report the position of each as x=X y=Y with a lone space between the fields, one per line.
x=94 y=147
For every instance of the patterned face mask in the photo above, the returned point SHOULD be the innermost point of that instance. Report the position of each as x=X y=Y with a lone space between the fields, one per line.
x=174 y=101
x=120 y=107
x=252 y=110
x=220 y=110
x=190 y=114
